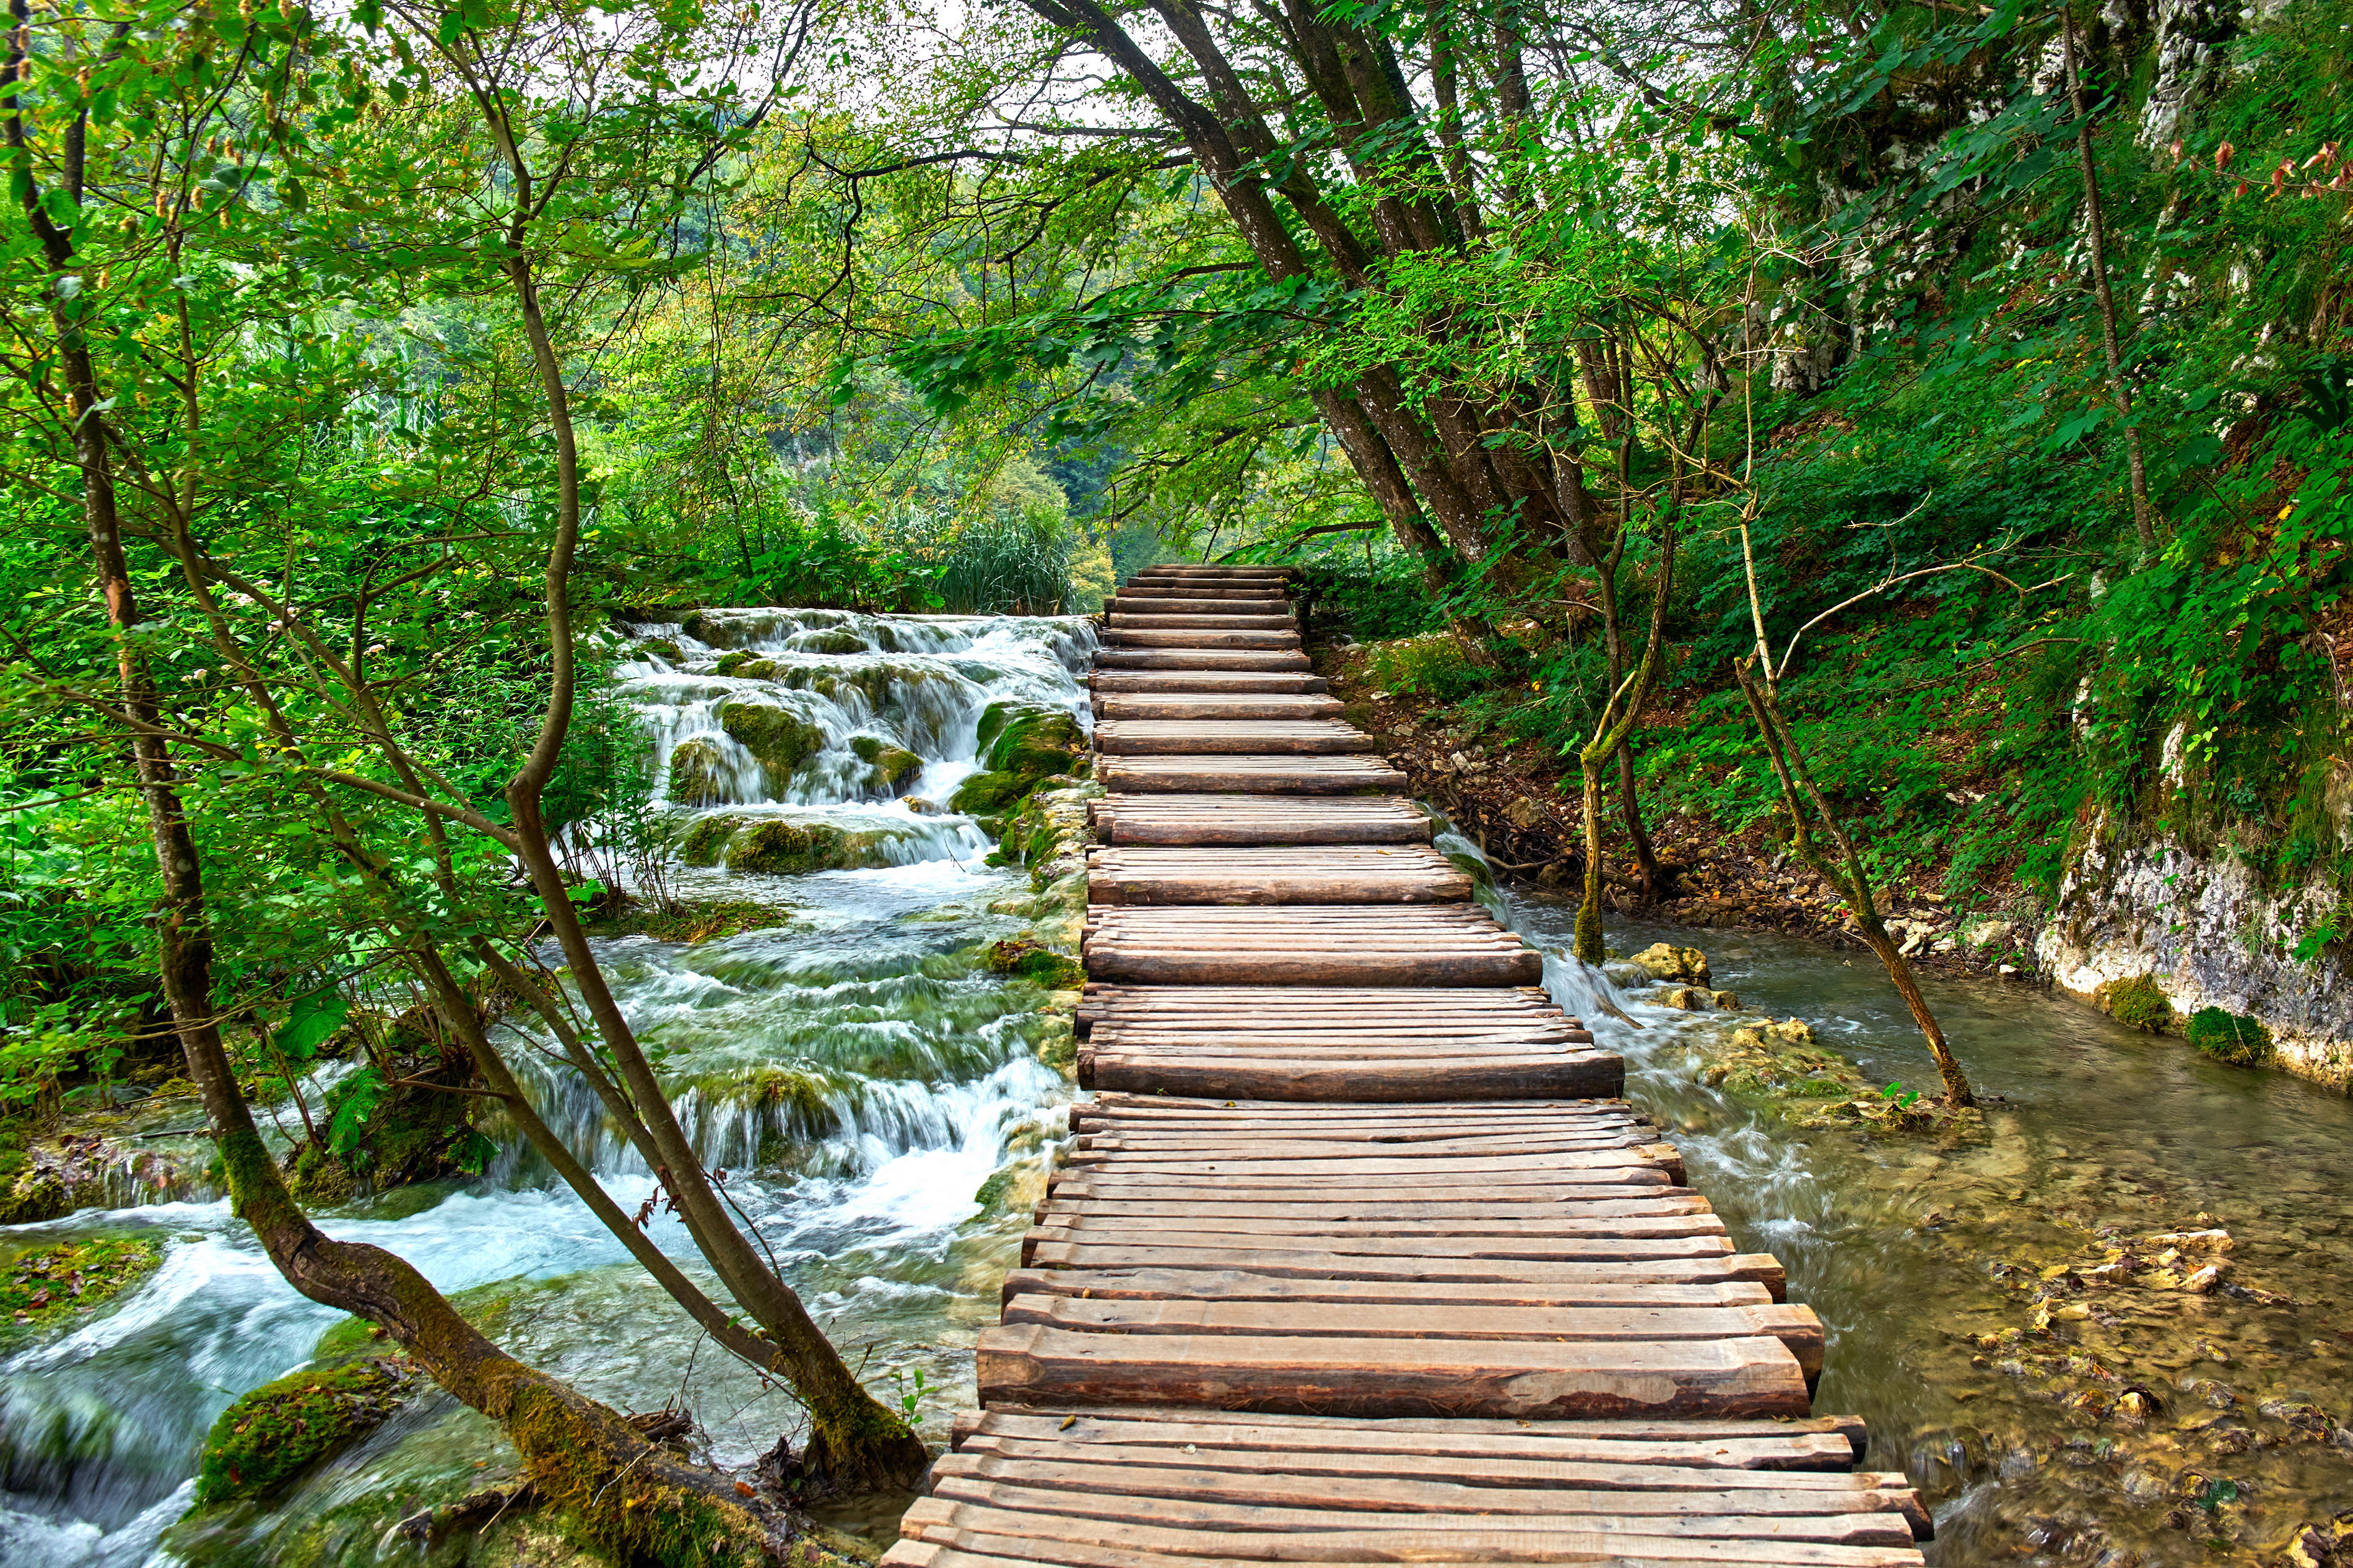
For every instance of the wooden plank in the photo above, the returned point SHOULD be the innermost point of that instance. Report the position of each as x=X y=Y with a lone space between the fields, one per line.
x=1201 y=660
x=1618 y=1491
x=1199 y=705
x=1756 y=1375
x=1241 y=737
x=1757 y=1267
x=1795 y=1327
x=1191 y=639
x=1195 y=773
x=1256 y=820
x=1106 y=1424
x=1144 y=1282
x=1346 y=874
x=1815 y=1444
x=952 y=1546
x=1234 y=682
x=1459 y=1078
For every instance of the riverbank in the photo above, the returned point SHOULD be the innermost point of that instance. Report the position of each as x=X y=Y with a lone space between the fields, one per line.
x=2109 y=945
x=2016 y=1307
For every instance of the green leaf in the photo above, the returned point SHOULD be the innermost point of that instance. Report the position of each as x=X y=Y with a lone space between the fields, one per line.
x=361 y=1093
x=314 y=1022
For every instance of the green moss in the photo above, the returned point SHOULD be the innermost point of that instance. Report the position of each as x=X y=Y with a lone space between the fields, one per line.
x=50 y=1287
x=2139 y=1003
x=695 y=774
x=900 y=768
x=664 y=646
x=759 y=670
x=988 y=793
x=781 y=739
x=1031 y=960
x=1030 y=742
x=282 y=1428
x=29 y=1193
x=783 y=849
x=866 y=748
x=706 y=841
x=729 y=663
x=836 y=641
x=2230 y=1036
x=992 y=1191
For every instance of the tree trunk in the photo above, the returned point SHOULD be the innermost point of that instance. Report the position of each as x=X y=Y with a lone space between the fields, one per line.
x=2095 y=232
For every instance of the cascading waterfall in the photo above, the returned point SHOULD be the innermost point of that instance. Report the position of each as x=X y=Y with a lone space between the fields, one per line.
x=854 y=1070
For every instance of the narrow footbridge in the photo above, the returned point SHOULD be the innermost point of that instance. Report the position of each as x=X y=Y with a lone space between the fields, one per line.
x=1359 y=1257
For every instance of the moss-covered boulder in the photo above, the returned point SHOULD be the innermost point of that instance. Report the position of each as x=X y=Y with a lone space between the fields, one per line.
x=706 y=839
x=781 y=739
x=54 y=1288
x=1034 y=961
x=2229 y=1036
x=731 y=663
x=896 y=769
x=1024 y=738
x=696 y=774
x=985 y=795
x=786 y=848
x=283 y=1428
x=664 y=646
x=29 y=1193
x=833 y=640
x=760 y=669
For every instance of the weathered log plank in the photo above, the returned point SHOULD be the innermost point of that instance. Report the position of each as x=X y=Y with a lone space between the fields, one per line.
x=1348 y=874
x=1241 y=737
x=1755 y=1375
x=1198 y=772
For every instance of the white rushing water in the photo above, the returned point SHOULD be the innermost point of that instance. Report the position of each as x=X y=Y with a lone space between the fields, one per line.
x=855 y=1070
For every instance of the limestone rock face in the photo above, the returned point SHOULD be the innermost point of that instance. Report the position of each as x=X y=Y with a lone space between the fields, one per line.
x=2207 y=935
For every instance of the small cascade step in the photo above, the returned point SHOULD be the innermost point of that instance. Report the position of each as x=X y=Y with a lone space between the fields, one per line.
x=1254 y=820
x=1205 y=737
x=1353 y=874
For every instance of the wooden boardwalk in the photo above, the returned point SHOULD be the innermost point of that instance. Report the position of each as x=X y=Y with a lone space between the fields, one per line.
x=1358 y=1255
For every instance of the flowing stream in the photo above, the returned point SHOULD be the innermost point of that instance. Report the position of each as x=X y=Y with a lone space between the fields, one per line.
x=861 y=1076
x=1923 y=1257
x=857 y=1070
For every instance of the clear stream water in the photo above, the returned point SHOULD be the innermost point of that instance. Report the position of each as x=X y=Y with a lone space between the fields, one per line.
x=862 y=1077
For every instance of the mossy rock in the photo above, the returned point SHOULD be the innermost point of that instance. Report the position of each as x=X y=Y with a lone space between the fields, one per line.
x=833 y=641
x=696 y=774
x=283 y=1428
x=759 y=670
x=729 y=663
x=785 y=848
x=988 y=793
x=1030 y=741
x=898 y=768
x=781 y=739
x=2139 y=1003
x=2230 y=1037
x=866 y=748
x=54 y=1287
x=1031 y=960
x=664 y=646
x=706 y=841
x=29 y=1194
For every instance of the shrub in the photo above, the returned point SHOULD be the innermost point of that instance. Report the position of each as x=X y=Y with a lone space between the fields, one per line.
x=2230 y=1037
x=1435 y=666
